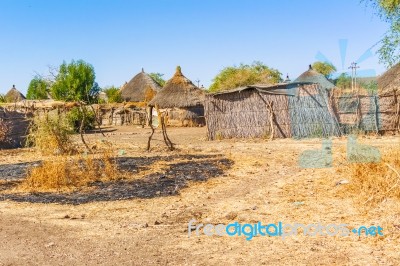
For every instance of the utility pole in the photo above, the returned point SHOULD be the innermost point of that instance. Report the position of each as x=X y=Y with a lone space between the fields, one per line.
x=198 y=82
x=353 y=67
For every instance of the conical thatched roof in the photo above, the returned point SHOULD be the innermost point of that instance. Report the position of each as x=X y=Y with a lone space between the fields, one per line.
x=313 y=76
x=390 y=79
x=137 y=89
x=179 y=92
x=14 y=95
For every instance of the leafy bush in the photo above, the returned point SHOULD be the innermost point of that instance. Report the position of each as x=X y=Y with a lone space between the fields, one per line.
x=243 y=75
x=113 y=95
x=74 y=118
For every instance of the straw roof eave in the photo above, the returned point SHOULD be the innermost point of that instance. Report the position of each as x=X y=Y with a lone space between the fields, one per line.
x=389 y=78
x=135 y=90
x=178 y=92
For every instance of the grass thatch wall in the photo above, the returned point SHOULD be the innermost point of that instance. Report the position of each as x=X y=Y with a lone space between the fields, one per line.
x=367 y=111
x=311 y=113
x=17 y=124
x=299 y=110
x=121 y=114
x=241 y=114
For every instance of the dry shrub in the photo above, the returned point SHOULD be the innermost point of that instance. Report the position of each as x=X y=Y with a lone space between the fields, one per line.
x=64 y=173
x=51 y=135
x=372 y=183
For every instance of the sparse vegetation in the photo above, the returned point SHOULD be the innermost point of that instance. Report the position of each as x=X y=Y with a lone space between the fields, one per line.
x=75 y=118
x=325 y=68
x=158 y=77
x=243 y=75
x=63 y=173
x=113 y=94
x=372 y=183
x=38 y=89
x=50 y=134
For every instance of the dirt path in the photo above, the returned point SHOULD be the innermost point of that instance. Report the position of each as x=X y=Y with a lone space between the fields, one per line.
x=264 y=184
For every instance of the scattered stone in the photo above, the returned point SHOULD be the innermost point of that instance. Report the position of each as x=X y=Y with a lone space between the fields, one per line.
x=49 y=244
x=231 y=215
x=342 y=182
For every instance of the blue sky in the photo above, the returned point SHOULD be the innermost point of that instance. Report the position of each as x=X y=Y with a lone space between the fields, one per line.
x=202 y=36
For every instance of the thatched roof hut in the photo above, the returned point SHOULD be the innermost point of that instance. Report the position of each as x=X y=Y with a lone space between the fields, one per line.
x=178 y=92
x=390 y=80
x=182 y=101
x=312 y=76
x=141 y=88
x=14 y=95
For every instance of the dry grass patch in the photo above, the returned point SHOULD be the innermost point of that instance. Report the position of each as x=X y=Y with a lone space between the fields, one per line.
x=373 y=183
x=65 y=173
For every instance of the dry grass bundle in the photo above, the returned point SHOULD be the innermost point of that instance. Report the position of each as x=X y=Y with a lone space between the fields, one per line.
x=51 y=135
x=373 y=183
x=65 y=173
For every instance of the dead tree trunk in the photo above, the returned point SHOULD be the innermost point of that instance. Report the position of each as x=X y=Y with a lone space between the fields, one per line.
x=168 y=142
x=270 y=108
x=82 y=126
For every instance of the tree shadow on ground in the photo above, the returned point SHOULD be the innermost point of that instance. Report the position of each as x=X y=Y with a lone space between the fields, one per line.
x=169 y=181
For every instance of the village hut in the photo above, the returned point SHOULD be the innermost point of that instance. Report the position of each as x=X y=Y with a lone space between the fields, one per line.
x=13 y=95
x=272 y=111
x=389 y=99
x=181 y=100
x=390 y=80
x=312 y=76
x=141 y=88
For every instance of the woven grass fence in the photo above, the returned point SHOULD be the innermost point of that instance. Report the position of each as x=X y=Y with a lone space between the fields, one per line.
x=367 y=111
x=15 y=126
x=308 y=112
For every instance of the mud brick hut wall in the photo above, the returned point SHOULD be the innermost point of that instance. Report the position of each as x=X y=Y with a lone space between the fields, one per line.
x=299 y=110
x=17 y=124
x=118 y=115
x=188 y=117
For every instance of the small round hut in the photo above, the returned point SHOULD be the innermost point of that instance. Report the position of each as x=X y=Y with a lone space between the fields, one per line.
x=14 y=95
x=312 y=76
x=182 y=101
x=141 y=88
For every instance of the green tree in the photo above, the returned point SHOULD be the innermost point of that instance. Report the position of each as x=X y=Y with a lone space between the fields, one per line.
x=113 y=94
x=371 y=86
x=38 y=89
x=2 y=98
x=75 y=82
x=325 y=68
x=243 y=75
x=389 y=11
x=343 y=81
x=158 y=78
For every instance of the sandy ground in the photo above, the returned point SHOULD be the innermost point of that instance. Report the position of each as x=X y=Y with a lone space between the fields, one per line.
x=264 y=183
